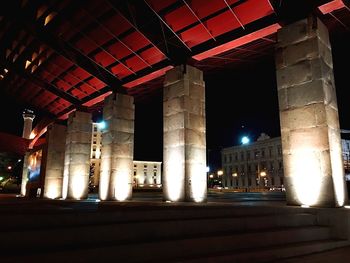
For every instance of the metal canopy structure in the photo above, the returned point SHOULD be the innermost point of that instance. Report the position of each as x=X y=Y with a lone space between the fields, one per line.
x=57 y=56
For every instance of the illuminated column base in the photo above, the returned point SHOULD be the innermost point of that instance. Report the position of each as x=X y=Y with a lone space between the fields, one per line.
x=116 y=174
x=310 y=133
x=55 y=139
x=77 y=156
x=25 y=174
x=184 y=153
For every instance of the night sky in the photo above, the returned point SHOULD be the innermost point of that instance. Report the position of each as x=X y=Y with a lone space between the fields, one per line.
x=238 y=102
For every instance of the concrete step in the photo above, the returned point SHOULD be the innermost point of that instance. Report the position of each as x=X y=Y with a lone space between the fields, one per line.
x=148 y=230
x=110 y=213
x=267 y=254
x=164 y=250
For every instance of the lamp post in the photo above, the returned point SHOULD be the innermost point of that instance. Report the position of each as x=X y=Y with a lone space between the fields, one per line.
x=220 y=173
x=234 y=175
x=263 y=175
x=245 y=140
x=210 y=180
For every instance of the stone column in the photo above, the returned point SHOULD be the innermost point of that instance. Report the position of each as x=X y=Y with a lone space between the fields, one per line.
x=184 y=153
x=77 y=156
x=56 y=140
x=25 y=174
x=309 y=116
x=116 y=174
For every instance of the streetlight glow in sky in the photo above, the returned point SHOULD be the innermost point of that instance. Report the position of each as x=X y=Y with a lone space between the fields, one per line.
x=245 y=140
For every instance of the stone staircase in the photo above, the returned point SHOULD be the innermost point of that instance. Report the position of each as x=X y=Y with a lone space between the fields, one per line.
x=164 y=233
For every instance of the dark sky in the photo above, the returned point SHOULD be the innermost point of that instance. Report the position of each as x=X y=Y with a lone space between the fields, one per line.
x=238 y=102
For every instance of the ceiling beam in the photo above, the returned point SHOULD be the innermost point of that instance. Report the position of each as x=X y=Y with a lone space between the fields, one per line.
x=146 y=22
x=30 y=77
x=26 y=21
x=77 y=57
x=236 y=33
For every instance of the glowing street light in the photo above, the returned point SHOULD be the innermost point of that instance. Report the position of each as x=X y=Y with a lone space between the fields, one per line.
x=102 y=125
x=9 y=167
x=220 y=172
x=245 y=140
x=262 y=175
x=234 y=175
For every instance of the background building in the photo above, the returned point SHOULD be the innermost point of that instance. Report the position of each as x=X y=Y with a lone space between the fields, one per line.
x=146 y=173
x=259 y=164
x=345 y=144
x=95 y=161
x=256 y=165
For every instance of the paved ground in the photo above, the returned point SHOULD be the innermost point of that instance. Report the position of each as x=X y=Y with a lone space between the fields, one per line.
x=9 y=202
x=340 y=255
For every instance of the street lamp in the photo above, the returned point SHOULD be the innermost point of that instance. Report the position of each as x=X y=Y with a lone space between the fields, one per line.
x=220 y=172
x=234 y=175
x=245 y=140
x=210 y=180
x=263 y=175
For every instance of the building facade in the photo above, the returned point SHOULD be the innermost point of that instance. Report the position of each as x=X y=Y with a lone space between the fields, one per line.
x=260 y=164
x=345 y=144
x=95 y=157
x=255 y=165
x=146 y=173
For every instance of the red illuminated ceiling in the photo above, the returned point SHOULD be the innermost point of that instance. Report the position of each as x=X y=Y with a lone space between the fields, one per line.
x=239 y=42
x=60 y=55
x=331 y=6
x=195 y=11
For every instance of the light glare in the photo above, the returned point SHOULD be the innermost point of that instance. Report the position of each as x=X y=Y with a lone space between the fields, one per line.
x=102 y=125
x=245 y=140
x=175 y=176
x=306 y=176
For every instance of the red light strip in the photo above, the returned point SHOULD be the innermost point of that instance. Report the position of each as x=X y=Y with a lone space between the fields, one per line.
x=65 y=116
x=97 y=99
x=36 y=138
x=238 y=42
x=148 y=77
x=331 y=6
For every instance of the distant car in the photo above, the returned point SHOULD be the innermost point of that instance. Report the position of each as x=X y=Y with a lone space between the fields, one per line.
x=277 y=189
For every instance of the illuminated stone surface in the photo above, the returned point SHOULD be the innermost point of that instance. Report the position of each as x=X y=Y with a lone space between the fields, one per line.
x=309 y=116
x=56 y=139
x=77 y=156
x=25 y=174
x=116 y=175
x=184 y=151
